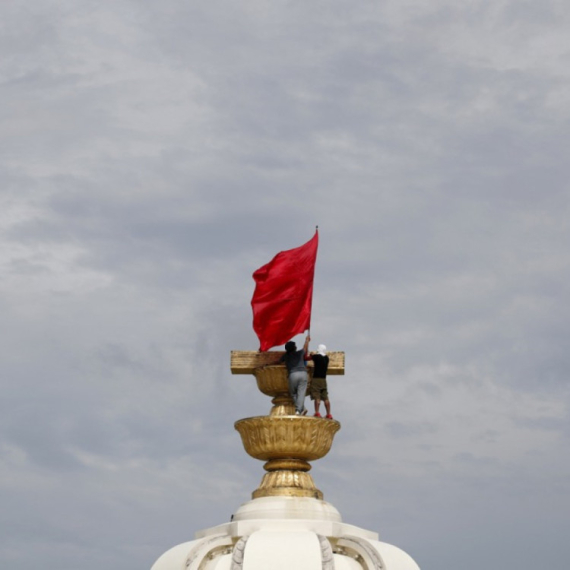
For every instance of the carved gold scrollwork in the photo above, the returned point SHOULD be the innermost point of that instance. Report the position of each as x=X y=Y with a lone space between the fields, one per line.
x=287 y=437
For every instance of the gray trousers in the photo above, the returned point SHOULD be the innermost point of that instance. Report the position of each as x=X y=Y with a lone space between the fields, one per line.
x=298 y=388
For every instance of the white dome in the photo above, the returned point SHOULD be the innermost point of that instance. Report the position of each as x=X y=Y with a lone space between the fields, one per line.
x=285 y=533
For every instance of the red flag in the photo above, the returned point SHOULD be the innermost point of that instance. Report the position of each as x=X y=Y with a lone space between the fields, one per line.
x=283 y=295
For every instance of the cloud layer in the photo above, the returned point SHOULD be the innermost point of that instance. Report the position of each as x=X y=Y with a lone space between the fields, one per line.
x=155 y=154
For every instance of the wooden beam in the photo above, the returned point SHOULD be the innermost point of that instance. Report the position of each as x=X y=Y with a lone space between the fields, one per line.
x=246 y=361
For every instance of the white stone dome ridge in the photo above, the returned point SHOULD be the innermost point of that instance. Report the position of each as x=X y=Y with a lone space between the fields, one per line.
x=285 y=533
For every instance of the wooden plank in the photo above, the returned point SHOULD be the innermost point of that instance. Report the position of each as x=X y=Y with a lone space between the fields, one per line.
x=246 y=361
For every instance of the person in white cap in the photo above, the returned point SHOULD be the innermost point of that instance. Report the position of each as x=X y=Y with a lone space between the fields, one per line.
x=318 y=389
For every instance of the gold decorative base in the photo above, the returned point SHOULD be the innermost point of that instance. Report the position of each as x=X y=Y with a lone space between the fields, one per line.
x=286 y=442
x=272 y=381
x=285 y=483
x=282 y=406
x=287 y=437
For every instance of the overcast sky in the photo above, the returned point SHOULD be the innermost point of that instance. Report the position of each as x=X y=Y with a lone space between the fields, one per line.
x=154 y=154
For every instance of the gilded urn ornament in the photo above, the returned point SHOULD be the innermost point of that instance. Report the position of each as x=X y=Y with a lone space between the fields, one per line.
x=285 y=441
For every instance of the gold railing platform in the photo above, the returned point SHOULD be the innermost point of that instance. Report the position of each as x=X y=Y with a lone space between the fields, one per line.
x=246 y=361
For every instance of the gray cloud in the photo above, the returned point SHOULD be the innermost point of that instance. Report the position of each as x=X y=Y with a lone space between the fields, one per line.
x=154 y=155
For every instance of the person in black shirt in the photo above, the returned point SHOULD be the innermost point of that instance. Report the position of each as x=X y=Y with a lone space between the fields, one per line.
x=318 y=388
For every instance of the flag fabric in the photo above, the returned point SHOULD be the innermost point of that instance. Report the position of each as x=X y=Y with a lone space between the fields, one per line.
x=283 y=295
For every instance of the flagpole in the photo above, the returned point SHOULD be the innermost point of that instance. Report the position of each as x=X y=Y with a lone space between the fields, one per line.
x=311 y=313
